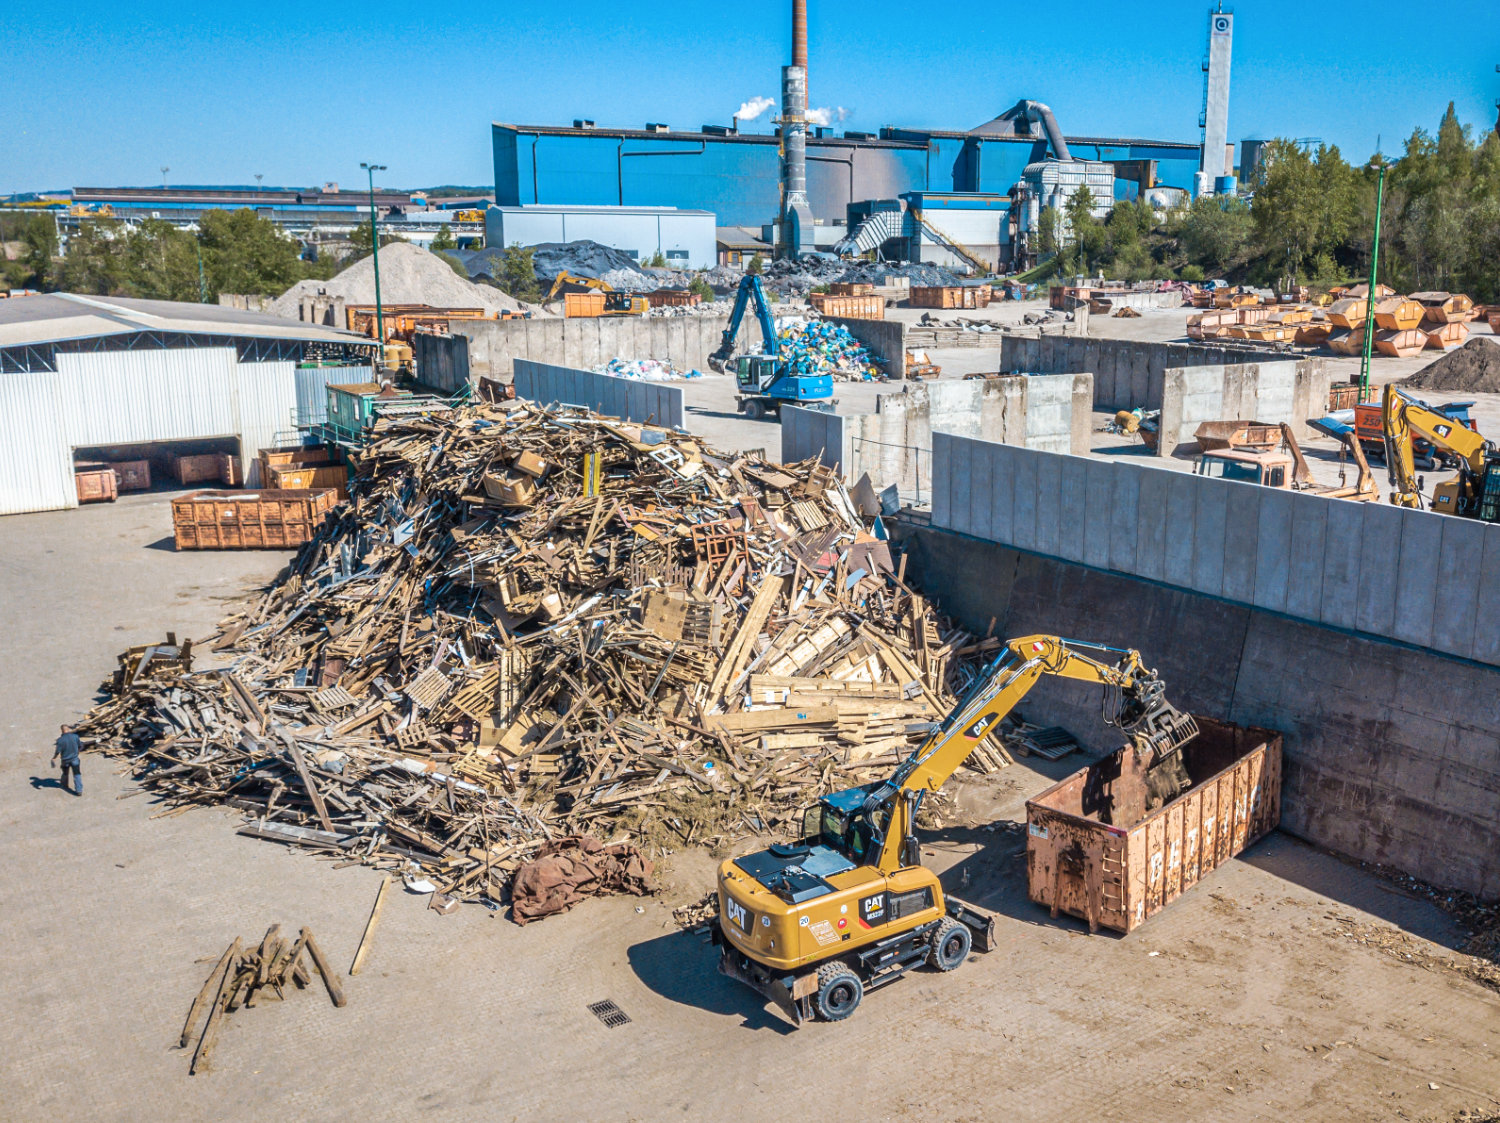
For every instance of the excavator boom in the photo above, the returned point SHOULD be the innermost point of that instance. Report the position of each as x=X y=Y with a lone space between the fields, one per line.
x=1468 y=493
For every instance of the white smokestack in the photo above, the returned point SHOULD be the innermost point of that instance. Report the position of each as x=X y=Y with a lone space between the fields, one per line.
x=754 y=108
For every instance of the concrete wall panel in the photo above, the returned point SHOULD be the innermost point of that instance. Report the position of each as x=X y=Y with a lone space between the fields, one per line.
x=1417 y=570
x=1487 y=604
x=1002 y=494
x=1304 y=584
x=1459 y=566
x=1272 y=542
x=1343 y=542
x=1097 y=520
x=1124 y=513
x=981 y=489
x=1074 y=500
x=1024 y=472
x=1210 y=520
x=1151 y=524
x=1048 y=502
x=1241 y=534
x=1381 y=527
x=1180 y=529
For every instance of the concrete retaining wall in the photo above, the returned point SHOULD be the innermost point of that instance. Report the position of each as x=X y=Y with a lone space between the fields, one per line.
x=884 y=338
x=1224 y=381
x=806 y=433
x=894 y=444
x=1392 y=754
x=624 y=398
x=684 y=341
x=1407 y=576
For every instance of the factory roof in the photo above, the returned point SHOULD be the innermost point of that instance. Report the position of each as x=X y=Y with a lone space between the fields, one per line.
x=29 y=321
x=695 y=135
x=902 y=138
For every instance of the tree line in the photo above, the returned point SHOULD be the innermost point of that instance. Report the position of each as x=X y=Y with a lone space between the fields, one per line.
x=231 y=251
x=1309 y=221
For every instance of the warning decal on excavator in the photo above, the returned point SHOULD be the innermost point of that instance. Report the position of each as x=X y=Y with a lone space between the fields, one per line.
x=823 y=932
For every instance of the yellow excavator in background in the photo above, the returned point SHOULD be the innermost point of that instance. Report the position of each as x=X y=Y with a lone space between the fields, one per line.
x=1473 y=493
x=615 y=303
x=849 y=907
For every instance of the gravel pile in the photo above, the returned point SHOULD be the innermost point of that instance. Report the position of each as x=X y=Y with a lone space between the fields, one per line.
x=1474 y=367
x=408 y=275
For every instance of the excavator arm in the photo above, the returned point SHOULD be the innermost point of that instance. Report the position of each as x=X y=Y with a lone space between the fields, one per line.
x=1402 y=419
x=1134 y=700
x=750 y=292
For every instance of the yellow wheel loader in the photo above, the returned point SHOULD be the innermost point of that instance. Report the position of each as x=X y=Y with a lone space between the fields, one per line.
x=814 y=924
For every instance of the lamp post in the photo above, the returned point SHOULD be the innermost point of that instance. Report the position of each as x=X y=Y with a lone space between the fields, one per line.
x=375 y=249
x=1364 y=361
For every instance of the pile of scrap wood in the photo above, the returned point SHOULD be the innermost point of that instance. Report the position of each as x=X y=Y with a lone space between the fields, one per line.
x=243 y=975
x=529 y=624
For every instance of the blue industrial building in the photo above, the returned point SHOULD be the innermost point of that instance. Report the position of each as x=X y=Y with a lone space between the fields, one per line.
x=737 y=176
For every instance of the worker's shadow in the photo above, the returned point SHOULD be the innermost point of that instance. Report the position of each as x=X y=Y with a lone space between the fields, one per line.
x=40 y=782
x=683 y=967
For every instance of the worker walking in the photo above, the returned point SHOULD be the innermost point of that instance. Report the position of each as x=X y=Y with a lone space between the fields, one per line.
x=68 y=747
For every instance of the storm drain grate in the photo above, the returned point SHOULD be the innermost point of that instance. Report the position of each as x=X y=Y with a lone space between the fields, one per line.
x=608 y=1013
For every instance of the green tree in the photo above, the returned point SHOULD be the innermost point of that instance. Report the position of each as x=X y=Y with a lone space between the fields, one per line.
x=1085 y=232
x=517 y=274
x=453 y=263
x=96 y=261
x=757 y=266
x=245 y=253
x=444 y=239
x=701 y=288
x=162 y=262
x=1215 y=233
x=1049 y=236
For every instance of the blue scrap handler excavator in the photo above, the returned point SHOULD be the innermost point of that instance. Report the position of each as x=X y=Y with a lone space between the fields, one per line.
x=765 y=381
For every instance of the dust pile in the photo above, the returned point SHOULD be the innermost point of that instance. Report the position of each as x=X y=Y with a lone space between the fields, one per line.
x=1473 y=368
x=408 y=275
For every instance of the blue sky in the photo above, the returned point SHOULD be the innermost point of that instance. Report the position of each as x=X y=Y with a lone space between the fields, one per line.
x=97 y=94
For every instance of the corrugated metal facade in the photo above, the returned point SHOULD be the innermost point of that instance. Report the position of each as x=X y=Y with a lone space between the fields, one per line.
x=265 y=392
x=36 y=468
x=122 y=397
x=138 y=397
x=312 y=389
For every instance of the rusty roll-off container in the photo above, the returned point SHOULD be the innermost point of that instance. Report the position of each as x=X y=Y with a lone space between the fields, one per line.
x=268 y=519
x=1097 y=850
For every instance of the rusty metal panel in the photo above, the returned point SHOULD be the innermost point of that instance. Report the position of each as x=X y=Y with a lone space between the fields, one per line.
x=1119 y=873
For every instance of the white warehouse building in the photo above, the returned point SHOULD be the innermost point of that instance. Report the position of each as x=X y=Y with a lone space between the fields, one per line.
x=684 y=238
x=96 y=373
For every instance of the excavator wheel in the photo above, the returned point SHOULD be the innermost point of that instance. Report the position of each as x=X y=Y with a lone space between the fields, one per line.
x=950 y=945
x=755 y=409
x=839 y=992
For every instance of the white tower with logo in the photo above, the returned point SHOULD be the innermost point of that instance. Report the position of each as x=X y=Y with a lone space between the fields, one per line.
x=1214 y=121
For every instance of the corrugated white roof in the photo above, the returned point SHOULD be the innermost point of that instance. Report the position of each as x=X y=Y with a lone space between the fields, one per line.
x=59 y=317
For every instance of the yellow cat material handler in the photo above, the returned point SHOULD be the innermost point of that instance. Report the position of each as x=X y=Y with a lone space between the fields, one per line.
x=849 y=907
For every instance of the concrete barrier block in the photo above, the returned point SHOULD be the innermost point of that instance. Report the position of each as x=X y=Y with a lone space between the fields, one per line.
x=1073 y=513
x=1486 y=647
x=1343 y=545
x=1379 y=552
x=1151 y=523
x=959 y=483
x=1026 y=501
x=1457 y=601
x=1241 y=529
x=942 y=471
x=1304 y=584
x=1272 y=543
x=1180 y=530
x=1097 y=521
x=1125 y=493
x=1416 y=575
x=981 y=489
x=1002 y=493
x=1210 y=522
x=1081 y=423
x=1049 y=502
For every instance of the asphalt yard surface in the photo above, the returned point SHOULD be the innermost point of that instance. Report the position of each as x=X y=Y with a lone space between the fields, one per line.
x=1245 y=1000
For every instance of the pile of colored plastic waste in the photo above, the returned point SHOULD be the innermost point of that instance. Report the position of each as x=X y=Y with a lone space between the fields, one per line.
x=646 y=370
x=823 y=347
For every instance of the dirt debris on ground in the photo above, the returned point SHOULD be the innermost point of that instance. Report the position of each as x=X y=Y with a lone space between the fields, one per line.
x=1472 y=368
x=408 y=275
x=529 y=624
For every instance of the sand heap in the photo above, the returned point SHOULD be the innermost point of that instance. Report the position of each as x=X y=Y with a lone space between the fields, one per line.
x=408 y=275
x=1474 y=367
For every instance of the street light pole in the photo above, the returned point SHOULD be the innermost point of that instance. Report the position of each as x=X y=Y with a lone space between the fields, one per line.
x=375 y=249
x=1364 y=361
